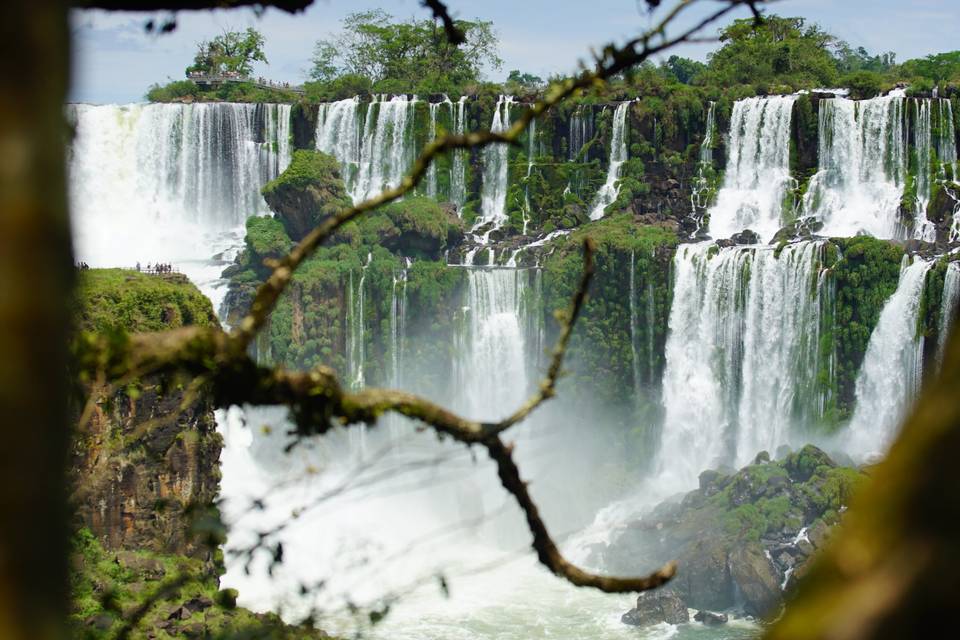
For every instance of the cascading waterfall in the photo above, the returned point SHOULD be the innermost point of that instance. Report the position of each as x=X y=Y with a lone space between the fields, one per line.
x=893 y=365
x=387 y=147
x=948 y=307
x=923 y=147
x=758 y=169
x=432 y=171
x=580 y=131
x=699 y=192
x=495 y=172
x=862 y=167
x=148 y=181
x=634 y=325
x=946 y=141
x=494 y=375
x=743 y=342
x=618 y=155
x=339 y=134
x=531 y=152
x=458 y=178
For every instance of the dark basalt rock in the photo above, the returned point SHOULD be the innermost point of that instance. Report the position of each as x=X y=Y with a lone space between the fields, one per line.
x=745 y=237
x=710 y=619
x=654 y=607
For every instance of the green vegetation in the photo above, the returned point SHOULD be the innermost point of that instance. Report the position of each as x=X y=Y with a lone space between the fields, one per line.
x=308 y=191
x=119 y=299
x=400 y=57
x=864 y=277
x=230 y=52
x=107 y=588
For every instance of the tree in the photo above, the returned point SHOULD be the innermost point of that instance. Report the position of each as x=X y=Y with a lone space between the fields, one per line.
x=683 y=69
x=230 y=52
x=940 y=68
x=859 y=59
x=412 y=54
x=783 y=50
x=518 y=82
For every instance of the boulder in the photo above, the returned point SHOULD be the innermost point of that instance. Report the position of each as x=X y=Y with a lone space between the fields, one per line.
x=745 y=237
x=803 y=463
x=710 y=619
x=307 y=192
x=757 y=580
x=703 y=575
x=654 y=607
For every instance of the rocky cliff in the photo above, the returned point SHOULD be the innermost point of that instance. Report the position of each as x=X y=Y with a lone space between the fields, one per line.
x=743 y=537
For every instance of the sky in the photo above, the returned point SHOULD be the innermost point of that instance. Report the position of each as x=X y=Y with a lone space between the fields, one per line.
x=115 y=60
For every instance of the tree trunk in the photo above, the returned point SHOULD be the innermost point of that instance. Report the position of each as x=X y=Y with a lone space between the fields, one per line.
x=35 y=278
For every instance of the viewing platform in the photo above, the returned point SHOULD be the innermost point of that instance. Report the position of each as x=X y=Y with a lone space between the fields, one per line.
x=205 y=81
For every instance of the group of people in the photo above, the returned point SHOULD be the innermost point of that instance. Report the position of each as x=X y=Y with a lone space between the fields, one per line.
x=164 y=267
x=82 y=266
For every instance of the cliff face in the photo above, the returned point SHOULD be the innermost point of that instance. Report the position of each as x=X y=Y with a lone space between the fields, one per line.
x=145 y=463
x=145 y=457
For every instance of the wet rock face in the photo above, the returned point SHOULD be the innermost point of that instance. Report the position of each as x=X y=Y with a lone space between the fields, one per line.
x=142 y=465
x=743 y=537
x=711 y=619
x=654 y=607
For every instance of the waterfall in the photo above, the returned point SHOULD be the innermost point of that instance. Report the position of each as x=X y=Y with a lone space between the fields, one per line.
x=946 y=141
x=618 y=155
x=338 y=134
x=356 y=348
x=862 y=167
x=634 y=326
x=948 y=307
x=495 y=173
x=387 y=147
x=374 y=149
x=148 y=181
x=893 y=365
x=923 y=146
x=580 y=132
x=458 y=178
x=758 y=169
x=531 y=152
x=741 y=355
x=493 y=371
x=432 y=171
x=701 y=188
x=706 y=147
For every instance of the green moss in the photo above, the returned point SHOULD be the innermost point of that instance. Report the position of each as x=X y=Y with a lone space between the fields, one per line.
x=307 y=168
x=120 y=299
x=266 y=238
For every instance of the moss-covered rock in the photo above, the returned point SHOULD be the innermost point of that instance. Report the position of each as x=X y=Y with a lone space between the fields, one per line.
x=308 y=191
x=740 y=537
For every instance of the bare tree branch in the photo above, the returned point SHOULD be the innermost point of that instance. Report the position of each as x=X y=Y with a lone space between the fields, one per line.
x=455 y=35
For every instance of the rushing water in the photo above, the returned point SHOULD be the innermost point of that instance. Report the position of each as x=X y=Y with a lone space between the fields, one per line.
x=388 y=512
x=893 y=365
x=862 y=167
x=157 y=182
x=618 y=155
x=758 y=169
x=742 y=349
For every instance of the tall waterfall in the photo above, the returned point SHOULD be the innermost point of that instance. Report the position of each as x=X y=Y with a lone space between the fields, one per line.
x=893 y=365
x=946 y=141
x=495 y=173
x=375 y=146
x=432 y=171
x=700 y=187
x=758 y=168
x=493 y=372
x=618 y=155
x=862 y=167
x=948 y=306
x=579 y=131
x=338 y=133
x=458 y=178
x=531 y=153
x=923 y=148
x=741 y=356
x=145 y=178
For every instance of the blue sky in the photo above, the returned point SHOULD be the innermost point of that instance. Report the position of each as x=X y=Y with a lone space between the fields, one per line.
x=115 y=60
